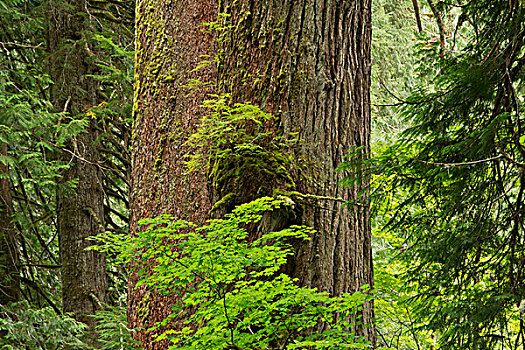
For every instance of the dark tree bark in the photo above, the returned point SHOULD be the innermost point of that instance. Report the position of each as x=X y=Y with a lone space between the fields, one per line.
x=307 y=62
x=9 y=255
x=80 y=210
x=417 y=15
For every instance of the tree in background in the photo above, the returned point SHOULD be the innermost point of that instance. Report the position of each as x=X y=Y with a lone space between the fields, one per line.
x=29 y=132
x=394 y=65
x=453 y=183
x=9 y=255
x=98 y=156
x=307 y=64
x=80 y=212
x=397 y=33
x=37 y=156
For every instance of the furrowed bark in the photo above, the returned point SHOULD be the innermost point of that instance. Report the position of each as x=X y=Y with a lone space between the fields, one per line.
x=308 y=62
x=80 y=209
x=305 y=61
x=169 y=44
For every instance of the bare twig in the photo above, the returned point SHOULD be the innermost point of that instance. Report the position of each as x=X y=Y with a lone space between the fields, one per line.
x=447 y=165
x=418 y=16
x=10 y=44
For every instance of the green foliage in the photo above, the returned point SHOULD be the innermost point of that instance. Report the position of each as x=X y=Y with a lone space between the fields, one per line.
x=234 y=284
x=394 y=76
x=397 y=325
x=114 y=60
x=393 y=65
x=112 y=330
x=238 y=147
x=449 y=193
x=36 y=133
x=227 y=129
x=23 y=327
x=34 y=136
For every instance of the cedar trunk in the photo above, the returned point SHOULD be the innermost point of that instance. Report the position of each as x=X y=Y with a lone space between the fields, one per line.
x=80 y=209
x=169 y=43
x=305 y=61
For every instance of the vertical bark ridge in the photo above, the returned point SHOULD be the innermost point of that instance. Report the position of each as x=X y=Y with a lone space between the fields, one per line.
x=305 y=61
x=316 y=79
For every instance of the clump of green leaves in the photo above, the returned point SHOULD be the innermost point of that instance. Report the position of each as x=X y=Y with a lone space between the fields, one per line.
x=234 y=284
x=227 y=128
x=23 y=327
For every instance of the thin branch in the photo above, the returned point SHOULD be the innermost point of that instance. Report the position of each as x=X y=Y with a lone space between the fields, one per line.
x=33 y=227
x=78 y=156
x=230 y=325
x=11 y=45
x=66 y=104
x=418 y=16
x=96 y=300
x=415 y=103
x=37 y=288
x=446 y=165
x=45 y=266
x=441 y=26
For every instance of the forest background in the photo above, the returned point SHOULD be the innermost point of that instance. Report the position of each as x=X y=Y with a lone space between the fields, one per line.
x=446 y=185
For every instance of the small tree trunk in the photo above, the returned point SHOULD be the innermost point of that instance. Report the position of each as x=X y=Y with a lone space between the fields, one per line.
x=80 y=210
x=9 y=256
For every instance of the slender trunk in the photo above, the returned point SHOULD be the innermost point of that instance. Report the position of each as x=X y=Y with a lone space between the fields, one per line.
x=9 y=255
x=80 y=209
x=441 y=26
x=417 y=15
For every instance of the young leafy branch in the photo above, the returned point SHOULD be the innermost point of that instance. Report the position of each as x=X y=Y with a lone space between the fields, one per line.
x=235 y=284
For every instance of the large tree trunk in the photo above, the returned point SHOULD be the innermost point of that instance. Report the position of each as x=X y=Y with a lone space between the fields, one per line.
x=80 y=210
x=306 y=61
x=9 y=256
